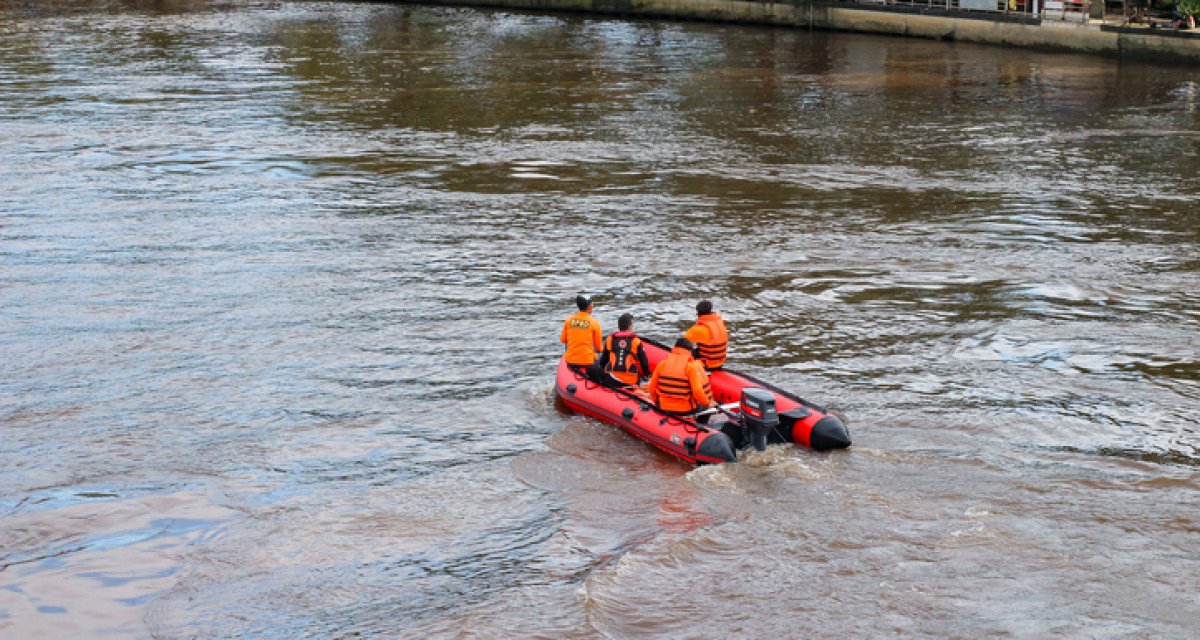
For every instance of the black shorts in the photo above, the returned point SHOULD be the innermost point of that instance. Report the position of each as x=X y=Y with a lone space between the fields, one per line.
x=592 y=371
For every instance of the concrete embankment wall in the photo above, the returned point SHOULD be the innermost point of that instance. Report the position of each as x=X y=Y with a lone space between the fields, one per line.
x=1065 y=36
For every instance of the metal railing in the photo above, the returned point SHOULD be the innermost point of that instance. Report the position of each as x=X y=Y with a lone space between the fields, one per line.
x=1066 y=10
x=1042 y=9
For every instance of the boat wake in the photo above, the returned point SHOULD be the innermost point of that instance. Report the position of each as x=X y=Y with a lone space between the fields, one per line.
x=755 y=468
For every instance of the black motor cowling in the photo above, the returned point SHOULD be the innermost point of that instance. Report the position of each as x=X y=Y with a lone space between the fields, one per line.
x=758 y=415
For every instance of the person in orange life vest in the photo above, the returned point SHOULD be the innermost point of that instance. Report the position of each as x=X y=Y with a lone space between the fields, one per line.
x=709 y=335
x=679 y=383
x=624 y=357
x=581 y=334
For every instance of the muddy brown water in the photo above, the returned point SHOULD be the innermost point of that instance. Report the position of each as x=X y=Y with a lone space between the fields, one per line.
x=281 y=285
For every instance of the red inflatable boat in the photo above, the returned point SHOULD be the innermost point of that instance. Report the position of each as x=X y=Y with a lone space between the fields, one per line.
x=758 y=413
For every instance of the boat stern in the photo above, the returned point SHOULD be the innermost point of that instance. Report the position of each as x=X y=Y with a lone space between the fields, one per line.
x=829 y=433
x=715 y=449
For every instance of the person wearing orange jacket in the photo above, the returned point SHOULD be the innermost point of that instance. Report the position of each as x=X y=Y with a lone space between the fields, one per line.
x=581 y=334
x=709 y=335
x=679 y=383
x=624 y=357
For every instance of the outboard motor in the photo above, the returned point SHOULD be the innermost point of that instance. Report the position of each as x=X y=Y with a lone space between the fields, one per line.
x=758 y=415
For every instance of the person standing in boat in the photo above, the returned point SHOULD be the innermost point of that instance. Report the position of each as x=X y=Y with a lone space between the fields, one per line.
x=581 y=334
x=624 y=357
x=680 y=384
x=709 y=335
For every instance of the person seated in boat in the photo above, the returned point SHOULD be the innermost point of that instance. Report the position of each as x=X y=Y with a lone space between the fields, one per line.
x=680 y=384
x=624 y=357
x=581 y=334
x=709 y=334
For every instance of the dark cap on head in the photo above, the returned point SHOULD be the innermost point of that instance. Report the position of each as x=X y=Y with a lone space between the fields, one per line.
x=703 y=307
x=685 y=343
x=583 y=301
x=625 y=321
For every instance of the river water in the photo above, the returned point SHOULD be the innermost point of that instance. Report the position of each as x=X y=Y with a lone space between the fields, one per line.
x=281 y=286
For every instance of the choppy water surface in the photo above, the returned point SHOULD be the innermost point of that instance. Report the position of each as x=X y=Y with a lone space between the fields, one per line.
x=281 y=286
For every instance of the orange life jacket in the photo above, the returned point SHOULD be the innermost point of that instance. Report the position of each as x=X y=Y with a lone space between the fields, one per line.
x=680 y=383
x=581 y=334
x=712 y=349
x=622 y=363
